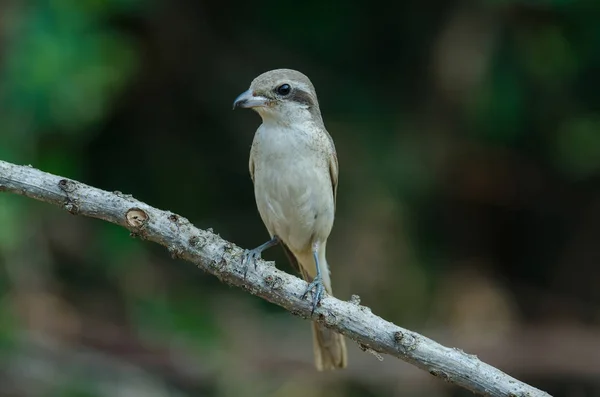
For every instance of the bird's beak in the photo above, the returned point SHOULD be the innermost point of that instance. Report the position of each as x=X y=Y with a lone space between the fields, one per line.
x=248 y=100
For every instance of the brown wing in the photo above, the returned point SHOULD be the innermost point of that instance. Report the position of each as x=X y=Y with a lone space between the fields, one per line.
x=333 y=173
x=251 y=163
x=333 y=168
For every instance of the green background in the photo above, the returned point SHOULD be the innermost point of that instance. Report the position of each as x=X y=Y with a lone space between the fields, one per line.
x=468 y=136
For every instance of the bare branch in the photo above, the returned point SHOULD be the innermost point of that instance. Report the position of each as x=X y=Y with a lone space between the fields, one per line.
x=222 y=259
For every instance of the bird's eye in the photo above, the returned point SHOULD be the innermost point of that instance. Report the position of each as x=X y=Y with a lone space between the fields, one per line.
x=284 y=89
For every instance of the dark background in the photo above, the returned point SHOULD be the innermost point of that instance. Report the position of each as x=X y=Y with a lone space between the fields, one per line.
x=468 y=136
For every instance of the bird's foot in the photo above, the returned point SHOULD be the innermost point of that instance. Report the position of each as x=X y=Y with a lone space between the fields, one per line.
x=316 y=289
x=250 y=256
x=254 y=254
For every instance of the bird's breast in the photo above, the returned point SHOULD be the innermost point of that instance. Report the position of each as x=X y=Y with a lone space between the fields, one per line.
x=293 y=188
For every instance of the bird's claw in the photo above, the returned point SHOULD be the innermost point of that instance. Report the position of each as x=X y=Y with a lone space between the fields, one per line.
x=316 y=289
x=250 y=256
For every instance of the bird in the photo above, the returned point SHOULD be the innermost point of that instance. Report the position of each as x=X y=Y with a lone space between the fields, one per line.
x=294 y=168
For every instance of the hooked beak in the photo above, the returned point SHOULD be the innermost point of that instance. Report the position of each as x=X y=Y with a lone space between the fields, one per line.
x=247 y=100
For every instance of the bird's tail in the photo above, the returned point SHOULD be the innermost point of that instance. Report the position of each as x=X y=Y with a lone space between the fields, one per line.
x=329 y=346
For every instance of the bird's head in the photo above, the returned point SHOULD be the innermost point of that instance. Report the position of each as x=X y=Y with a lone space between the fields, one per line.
x=281 y=95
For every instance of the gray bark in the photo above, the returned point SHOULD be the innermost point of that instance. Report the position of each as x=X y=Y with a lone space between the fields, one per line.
x=222 y=258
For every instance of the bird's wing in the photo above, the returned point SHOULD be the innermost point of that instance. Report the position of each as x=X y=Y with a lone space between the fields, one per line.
x=251 y=163
x=333 y=173
x=333 y=167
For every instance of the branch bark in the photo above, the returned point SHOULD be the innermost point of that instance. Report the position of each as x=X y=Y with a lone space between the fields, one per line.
x=222 y=258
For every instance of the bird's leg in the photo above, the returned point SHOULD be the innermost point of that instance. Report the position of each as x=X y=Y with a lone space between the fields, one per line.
x=254 y=254
x=316 y=286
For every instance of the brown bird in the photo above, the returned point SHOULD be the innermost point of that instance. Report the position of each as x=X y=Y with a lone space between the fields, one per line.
x=294 y=168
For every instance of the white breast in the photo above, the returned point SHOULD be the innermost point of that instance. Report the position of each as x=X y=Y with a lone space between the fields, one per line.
x=292 y=185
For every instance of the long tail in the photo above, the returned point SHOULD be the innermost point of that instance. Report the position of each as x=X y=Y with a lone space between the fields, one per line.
x=329 y=349
x=329 y=346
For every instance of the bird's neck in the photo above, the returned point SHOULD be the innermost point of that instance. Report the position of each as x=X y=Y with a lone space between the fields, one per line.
x=296 y=118
x=276 y=137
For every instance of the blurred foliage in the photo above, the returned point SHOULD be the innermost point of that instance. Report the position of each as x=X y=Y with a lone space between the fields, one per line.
x=468 y=135
x=63 y=68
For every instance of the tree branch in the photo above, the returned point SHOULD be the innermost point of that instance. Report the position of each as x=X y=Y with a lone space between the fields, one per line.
x=223 y=259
